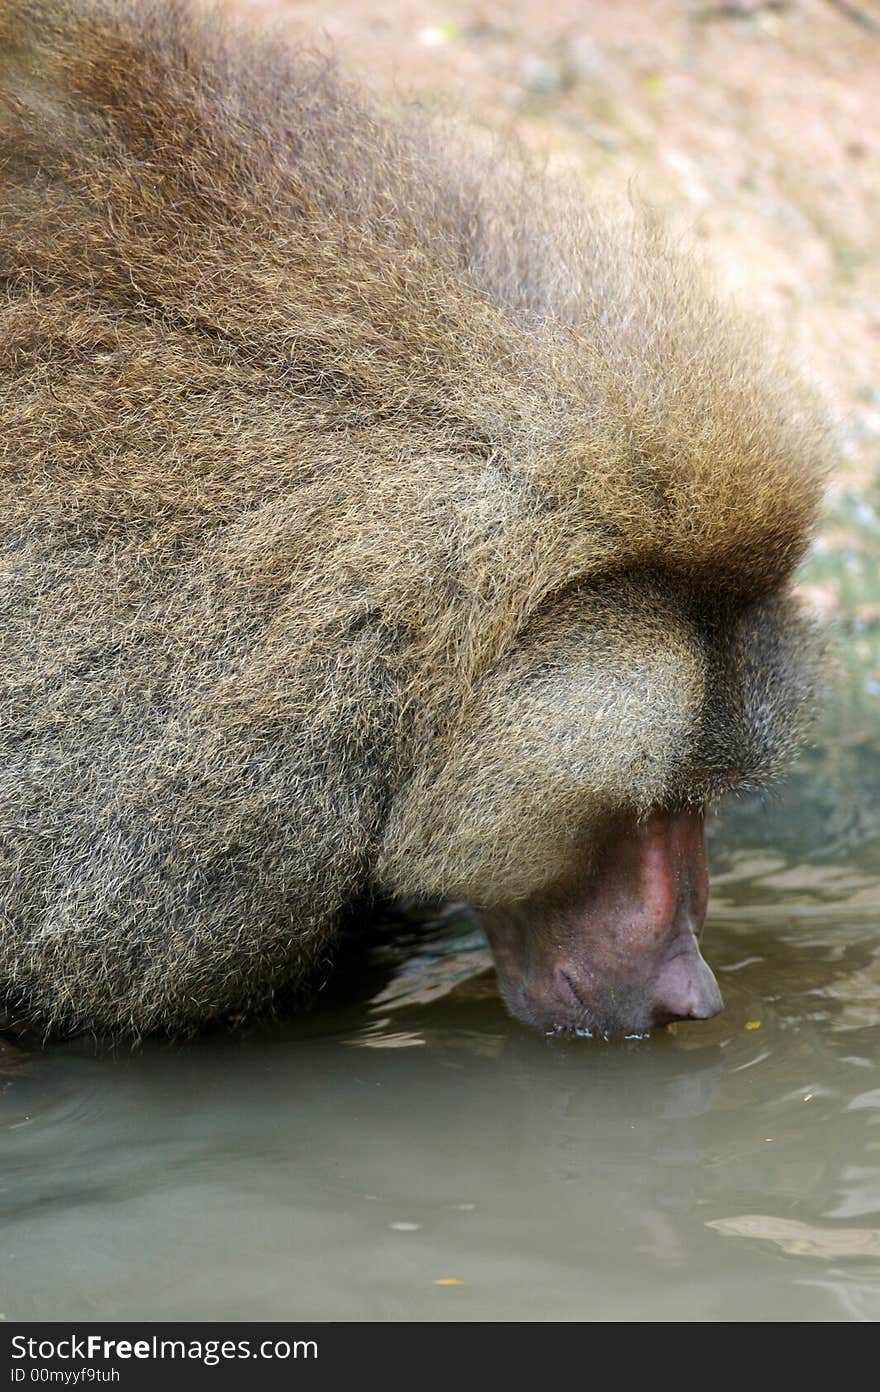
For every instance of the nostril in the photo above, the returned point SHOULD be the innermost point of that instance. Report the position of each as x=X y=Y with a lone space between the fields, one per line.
x=685 y=988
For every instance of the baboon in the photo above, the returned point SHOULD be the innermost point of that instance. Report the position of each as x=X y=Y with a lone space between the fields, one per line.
x=378 y=518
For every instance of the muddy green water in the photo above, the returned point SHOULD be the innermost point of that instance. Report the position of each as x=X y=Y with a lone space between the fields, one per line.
x=407 y=1152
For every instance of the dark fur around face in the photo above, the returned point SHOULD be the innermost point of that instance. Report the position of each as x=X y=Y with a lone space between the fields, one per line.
x=372 y=515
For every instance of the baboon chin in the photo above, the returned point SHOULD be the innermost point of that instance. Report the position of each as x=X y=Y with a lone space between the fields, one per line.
x=376 y=517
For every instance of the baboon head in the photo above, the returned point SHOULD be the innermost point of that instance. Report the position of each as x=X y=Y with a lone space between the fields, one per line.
x=567 y=799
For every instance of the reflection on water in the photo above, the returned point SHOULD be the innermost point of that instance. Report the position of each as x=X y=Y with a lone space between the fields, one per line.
x=408 y=1152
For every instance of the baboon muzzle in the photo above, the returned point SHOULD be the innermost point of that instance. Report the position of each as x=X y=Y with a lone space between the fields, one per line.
x=614 y=949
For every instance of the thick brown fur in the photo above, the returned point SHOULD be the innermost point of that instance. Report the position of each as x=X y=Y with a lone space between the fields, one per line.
x=373 y=516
